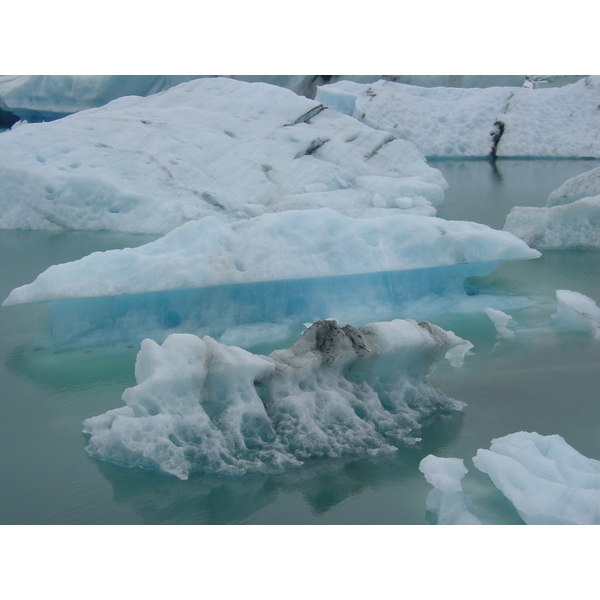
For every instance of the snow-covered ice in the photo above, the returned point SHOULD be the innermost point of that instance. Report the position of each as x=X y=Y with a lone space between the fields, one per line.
x=576 y=312
x=495 y=121
x=447 y=500
x=568 y=226
x=211 y=146
x=501 y=321
x=201 y=406
x=547 y=480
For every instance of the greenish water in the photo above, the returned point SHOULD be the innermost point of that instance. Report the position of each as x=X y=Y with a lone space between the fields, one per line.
x=542 y=381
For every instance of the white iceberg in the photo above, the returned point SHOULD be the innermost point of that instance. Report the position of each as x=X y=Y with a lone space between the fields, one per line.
x=576 y=312
x=547 y=480
x=568 y=226
x=501 y=320
x=200 y=406
x=447 y=500
x=494 y=121
x=211 y=146
x=580 y=186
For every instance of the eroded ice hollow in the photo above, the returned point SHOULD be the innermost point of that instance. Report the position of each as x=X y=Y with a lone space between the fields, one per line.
x=243 y=280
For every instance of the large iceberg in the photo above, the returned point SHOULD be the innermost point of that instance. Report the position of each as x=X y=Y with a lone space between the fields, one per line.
x=211 y=146
x=547 y=480
x=495 y=121
x=208 y=275
x=201 y=406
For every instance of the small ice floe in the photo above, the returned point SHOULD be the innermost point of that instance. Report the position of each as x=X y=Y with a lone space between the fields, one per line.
x=447 y=500
x=501 y=321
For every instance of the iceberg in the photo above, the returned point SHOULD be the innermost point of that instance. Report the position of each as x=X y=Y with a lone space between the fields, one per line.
x=547 y=480
x=447 y=500
x=585 y=185
x=472 y=122
x=203 y=407
x=49 y=97
x=208 y=275
x=576 y=312
x=207 y=147
x=565 y=226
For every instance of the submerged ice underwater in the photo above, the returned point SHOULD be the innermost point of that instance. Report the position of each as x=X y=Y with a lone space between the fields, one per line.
x=264 y=308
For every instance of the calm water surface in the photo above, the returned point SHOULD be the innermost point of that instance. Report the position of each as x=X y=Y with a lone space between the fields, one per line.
x=542 y=381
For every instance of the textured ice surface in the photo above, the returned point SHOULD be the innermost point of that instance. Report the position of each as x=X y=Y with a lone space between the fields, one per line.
x=576 y=312
x=500 y=121
x=447 y=500
x=575 y=225
x=212 y=146
x=547 y=480
x=272 y=247
x=500 y=320
x=581 y=186
x=201 y=406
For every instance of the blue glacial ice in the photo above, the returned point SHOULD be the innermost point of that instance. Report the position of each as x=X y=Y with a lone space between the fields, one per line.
x=209 y=276
x=494 y=121
x=203 y=407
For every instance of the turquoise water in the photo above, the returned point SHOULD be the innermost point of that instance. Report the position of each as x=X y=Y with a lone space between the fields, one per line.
x=542 y=381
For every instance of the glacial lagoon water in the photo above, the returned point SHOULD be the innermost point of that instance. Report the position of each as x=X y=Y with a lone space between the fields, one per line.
x=543 y=380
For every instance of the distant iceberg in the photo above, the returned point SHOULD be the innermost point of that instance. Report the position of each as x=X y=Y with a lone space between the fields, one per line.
x=48 y=97
x=547 y=480
x=576 y=312
x=495 y=121
x=203 y=407
x=211 y=146
x=585 y=185
x=575 y=225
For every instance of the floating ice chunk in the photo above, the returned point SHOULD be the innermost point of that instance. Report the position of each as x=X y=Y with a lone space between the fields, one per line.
x=581 y=186
x=447 y=500
x=211 y=146
x=547 y=480
x=276 y=246
x=498 y=121
x=501 y=320
x=201 y=406
x=576 y=312
x=456 y=355
x=575 y=225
